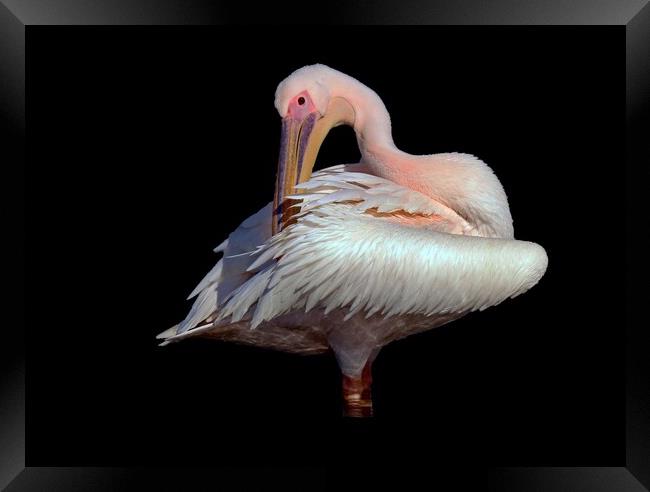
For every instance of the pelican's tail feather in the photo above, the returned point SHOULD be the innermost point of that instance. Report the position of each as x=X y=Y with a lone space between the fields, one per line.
x=226 y=276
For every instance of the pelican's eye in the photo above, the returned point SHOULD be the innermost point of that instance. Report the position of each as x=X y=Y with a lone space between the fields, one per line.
x=301 y=101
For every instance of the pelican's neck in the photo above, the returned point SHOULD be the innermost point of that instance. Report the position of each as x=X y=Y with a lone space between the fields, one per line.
x=373 y=128
x=374 y=136
x=371 y=119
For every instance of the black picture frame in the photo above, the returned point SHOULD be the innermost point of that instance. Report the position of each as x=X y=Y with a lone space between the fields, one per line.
x=16 y=18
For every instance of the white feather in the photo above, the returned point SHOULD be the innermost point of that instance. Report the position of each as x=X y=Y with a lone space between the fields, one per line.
x=362 y=244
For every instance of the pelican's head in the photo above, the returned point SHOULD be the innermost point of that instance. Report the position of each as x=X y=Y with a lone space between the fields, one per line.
x=310 y=102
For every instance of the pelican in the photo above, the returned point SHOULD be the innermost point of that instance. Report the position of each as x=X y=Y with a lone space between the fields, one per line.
x=355 y=256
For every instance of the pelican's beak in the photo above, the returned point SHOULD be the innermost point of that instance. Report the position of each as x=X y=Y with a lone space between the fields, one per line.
x=299 y=145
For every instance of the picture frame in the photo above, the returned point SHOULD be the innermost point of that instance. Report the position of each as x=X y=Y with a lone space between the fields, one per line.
x=19 y=18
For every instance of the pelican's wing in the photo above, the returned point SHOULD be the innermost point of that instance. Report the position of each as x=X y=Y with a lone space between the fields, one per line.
x=344 y=252
x=354 y=247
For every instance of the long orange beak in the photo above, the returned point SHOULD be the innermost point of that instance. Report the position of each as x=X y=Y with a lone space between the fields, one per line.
x=299 y=145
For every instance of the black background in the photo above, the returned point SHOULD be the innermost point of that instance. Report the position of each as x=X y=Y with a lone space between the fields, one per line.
x=148 y=147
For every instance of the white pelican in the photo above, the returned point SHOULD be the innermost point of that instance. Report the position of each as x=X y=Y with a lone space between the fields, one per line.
x=355 y=256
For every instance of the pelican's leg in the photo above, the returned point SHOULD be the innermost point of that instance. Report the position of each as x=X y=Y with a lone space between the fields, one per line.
x=357 y=391
x=355 y=349
x=357 y=398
